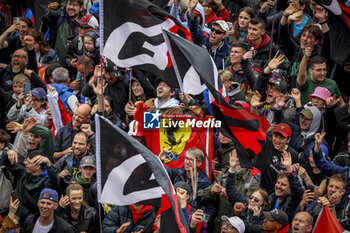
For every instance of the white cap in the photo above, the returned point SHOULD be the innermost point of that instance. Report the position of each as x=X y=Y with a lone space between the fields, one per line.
x=236 y=222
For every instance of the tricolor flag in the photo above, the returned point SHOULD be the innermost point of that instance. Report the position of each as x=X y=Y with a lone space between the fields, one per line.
x=238 y=123
x=326 y=222
x=128 y=173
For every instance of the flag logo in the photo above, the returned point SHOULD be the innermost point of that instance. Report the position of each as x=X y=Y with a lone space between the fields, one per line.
x=151 y=120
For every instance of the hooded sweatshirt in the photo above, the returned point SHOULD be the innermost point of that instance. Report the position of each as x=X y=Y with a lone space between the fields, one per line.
x=265 y=39
x=315 y=125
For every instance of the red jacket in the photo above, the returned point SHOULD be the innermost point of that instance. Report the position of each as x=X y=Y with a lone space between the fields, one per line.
x=212 y=17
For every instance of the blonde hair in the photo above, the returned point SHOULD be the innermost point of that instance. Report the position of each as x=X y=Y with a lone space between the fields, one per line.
x=20 y=79
x=225 y=75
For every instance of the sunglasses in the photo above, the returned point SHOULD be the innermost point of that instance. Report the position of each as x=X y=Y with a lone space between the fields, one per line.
x=255 y=198
x=217 y=32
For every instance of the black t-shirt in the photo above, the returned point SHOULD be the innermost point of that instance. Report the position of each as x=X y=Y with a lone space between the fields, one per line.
x=268 y=161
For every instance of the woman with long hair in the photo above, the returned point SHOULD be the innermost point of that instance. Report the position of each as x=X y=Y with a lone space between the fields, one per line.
x=74 y=210
x=245 y=14
x=44 y=54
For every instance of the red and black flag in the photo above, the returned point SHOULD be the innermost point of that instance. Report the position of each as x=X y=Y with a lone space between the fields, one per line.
x=133 y=37
x=238 y=123
x=128 y=173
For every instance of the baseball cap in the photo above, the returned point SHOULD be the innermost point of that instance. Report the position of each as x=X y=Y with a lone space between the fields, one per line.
x=135 y=129
x=307 y=113
x=236 y=222
x=278 y=73
x=111 y=68
x=277 y=215
x=183 y=185
x=88 y=161
x=321 y=92
x=222 y=24
x=281 y=85
x=39 y=93
x=283 y=129
x=89 y=21
x=48 y=194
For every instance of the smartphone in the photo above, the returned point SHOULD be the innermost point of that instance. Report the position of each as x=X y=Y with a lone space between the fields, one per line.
x=310 y=187
x=16 y=19
x=26 y=89
x=14 y=195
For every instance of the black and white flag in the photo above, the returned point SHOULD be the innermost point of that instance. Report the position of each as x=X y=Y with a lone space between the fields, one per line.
x=128 y=173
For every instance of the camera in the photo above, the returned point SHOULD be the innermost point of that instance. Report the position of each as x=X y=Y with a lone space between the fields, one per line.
x=67 y=179
x=172 y=156
x=205 y=217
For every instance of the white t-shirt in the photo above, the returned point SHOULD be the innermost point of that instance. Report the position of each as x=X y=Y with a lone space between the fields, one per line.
x=42 y=229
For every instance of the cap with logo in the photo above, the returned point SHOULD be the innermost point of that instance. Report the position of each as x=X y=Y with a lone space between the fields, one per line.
x=111 y=68
x=236 y=222
x=49 y=194
x=280 y=84
x=307 y=113
x=279 y=73
x=39 y=93
x=88 y=21
x=283 y=129
x=88 y=161
x=222 y=24
x=277 y=215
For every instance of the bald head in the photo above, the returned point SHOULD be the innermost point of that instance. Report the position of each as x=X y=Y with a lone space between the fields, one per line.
x=19 y=60
x=302 y=222
x=81 y=116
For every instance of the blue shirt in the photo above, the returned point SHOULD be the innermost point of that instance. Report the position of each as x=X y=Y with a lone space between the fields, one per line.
x=298 y=27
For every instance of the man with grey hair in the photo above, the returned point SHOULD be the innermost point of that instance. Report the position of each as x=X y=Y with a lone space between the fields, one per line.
x=191 y=172
x=61 y=78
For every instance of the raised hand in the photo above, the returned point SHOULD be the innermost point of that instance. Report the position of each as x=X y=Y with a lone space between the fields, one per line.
x=238 y=207
x=28 y=101
x=50 y=88
x=14 y=127
x=280 y=101
x=28 y=124
x=255 y=101
x=86 y=128
x=295 y=94
x=286 y=161
x=100 y=88
x=290 y=10
x=308 y=52
x=318 y=141
x=219 y=3
x=29 y=42
x=12 y=156
x=320 y=13
x=196 y=217
x=277 y=60
x=13 y=207
x=64 y=201
x=233 y=160
x=296 y=16
x=308 y=196
x=267 y=4
x=332 y=101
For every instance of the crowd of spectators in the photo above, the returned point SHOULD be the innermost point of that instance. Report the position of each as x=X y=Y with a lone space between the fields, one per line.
x=274 y=59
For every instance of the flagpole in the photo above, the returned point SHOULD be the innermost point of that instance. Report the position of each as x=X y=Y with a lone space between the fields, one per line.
x=177 y=73
x=273 y=28
x=98 y=134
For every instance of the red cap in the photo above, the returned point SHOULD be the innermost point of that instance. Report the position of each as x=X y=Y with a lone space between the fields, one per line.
x=283 y=129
